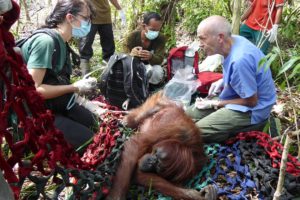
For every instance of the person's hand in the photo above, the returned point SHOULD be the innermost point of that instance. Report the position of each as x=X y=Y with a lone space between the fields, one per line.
x=122 y=17
x=203 y=104
x=5 y=6
x=215 y=88
x=85 y=84
x=136 y=51
x=273 y=33
x=94 y=107
x=145 y=55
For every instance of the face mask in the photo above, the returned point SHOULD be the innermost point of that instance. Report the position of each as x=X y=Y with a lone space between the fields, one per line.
x=5 y=5
x=83 y=30
x=151 y=35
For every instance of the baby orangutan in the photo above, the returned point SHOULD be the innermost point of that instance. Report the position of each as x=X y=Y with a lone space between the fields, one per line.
x=166 y=151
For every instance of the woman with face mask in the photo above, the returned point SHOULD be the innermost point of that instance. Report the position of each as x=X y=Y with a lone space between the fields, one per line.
x=149 y=45
x=69 y=18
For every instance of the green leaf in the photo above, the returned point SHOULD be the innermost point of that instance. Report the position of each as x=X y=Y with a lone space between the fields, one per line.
x=296 y=71
x=288 y=64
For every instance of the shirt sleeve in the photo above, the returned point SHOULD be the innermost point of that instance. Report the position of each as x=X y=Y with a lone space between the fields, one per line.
x=158 y=54
x=129 y=43
x=279 y=3
x=242 y=78
x=41 y=51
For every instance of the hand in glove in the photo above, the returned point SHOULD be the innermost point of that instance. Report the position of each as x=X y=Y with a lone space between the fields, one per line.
x=93 y=106
x=5 y=6
x=273 y=33
x=203 y=104
x=215 y=88
x=85 y=84
x=122 y=17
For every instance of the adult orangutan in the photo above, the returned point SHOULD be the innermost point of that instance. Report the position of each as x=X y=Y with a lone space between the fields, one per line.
x=166 y=151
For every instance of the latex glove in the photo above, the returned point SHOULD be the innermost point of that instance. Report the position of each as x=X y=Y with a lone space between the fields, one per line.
x=5 y=5
x=122 y=17
x=211 y=63
x=273 y=33
x=215 y=88
x=85 y=84
x=94 y=107
x=203 y=104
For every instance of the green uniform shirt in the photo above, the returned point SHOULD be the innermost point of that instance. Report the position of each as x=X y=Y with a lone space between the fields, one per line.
x=102 y=11
x=157 y=46
x=37 y=52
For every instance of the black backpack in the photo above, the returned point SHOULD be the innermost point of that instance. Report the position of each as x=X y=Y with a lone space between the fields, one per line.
x=124 y=81
x=58 y=104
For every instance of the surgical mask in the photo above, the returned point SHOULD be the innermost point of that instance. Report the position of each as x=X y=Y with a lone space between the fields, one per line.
x=151 y=35
x=5 y=5
x=83 y=30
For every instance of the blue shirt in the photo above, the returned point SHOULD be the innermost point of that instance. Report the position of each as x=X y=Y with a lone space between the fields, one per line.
x=243 y=78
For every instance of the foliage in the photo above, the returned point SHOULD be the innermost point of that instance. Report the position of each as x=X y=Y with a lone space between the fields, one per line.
x=175 y=12
x=285 y=59
x=290 y=31
x=191 y=16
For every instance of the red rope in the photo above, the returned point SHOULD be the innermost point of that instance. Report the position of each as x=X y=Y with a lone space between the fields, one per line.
x=105 y=139
x=39 y=134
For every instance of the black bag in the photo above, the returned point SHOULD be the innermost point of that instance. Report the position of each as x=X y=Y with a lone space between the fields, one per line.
x=124 y=82
x=58 y=104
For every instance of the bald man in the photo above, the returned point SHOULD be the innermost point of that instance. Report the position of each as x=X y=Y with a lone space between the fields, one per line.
x=247 y=91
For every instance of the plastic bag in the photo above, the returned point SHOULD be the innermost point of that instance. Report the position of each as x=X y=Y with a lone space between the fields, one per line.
x=182 y=86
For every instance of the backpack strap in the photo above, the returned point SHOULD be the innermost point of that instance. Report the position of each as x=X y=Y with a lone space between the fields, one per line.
x=104 y=77
x=52 y=33
x=128 y=72
x=74 y=56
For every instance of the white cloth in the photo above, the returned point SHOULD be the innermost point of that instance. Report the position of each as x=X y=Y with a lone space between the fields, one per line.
x=156 y=74
x=211 y=63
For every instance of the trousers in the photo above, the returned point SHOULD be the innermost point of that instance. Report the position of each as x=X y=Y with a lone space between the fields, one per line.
x=106 y=41
x=76 y=125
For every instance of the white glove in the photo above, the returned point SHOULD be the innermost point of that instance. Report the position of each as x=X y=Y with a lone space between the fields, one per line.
x=94 y=107
x=5 y=5
x=273 y=33
x=215 y=88
x=203 y=104
x=85 y=84
x=122 y=17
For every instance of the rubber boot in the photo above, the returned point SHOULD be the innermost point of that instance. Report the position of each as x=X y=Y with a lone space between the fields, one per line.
x=84 y=66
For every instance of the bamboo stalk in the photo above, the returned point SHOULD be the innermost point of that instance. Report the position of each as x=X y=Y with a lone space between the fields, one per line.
x=236 y=18
x=282 y=171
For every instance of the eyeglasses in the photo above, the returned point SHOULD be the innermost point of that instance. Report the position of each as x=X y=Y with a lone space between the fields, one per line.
x=86 y=18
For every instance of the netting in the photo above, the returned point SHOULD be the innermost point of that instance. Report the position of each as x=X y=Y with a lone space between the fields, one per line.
x=246 y=167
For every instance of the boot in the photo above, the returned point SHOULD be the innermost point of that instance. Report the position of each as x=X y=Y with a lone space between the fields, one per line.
x=85 y=66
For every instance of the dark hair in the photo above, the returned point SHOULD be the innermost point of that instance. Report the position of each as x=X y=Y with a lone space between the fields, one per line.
x=151 y=15
x=62 y=8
